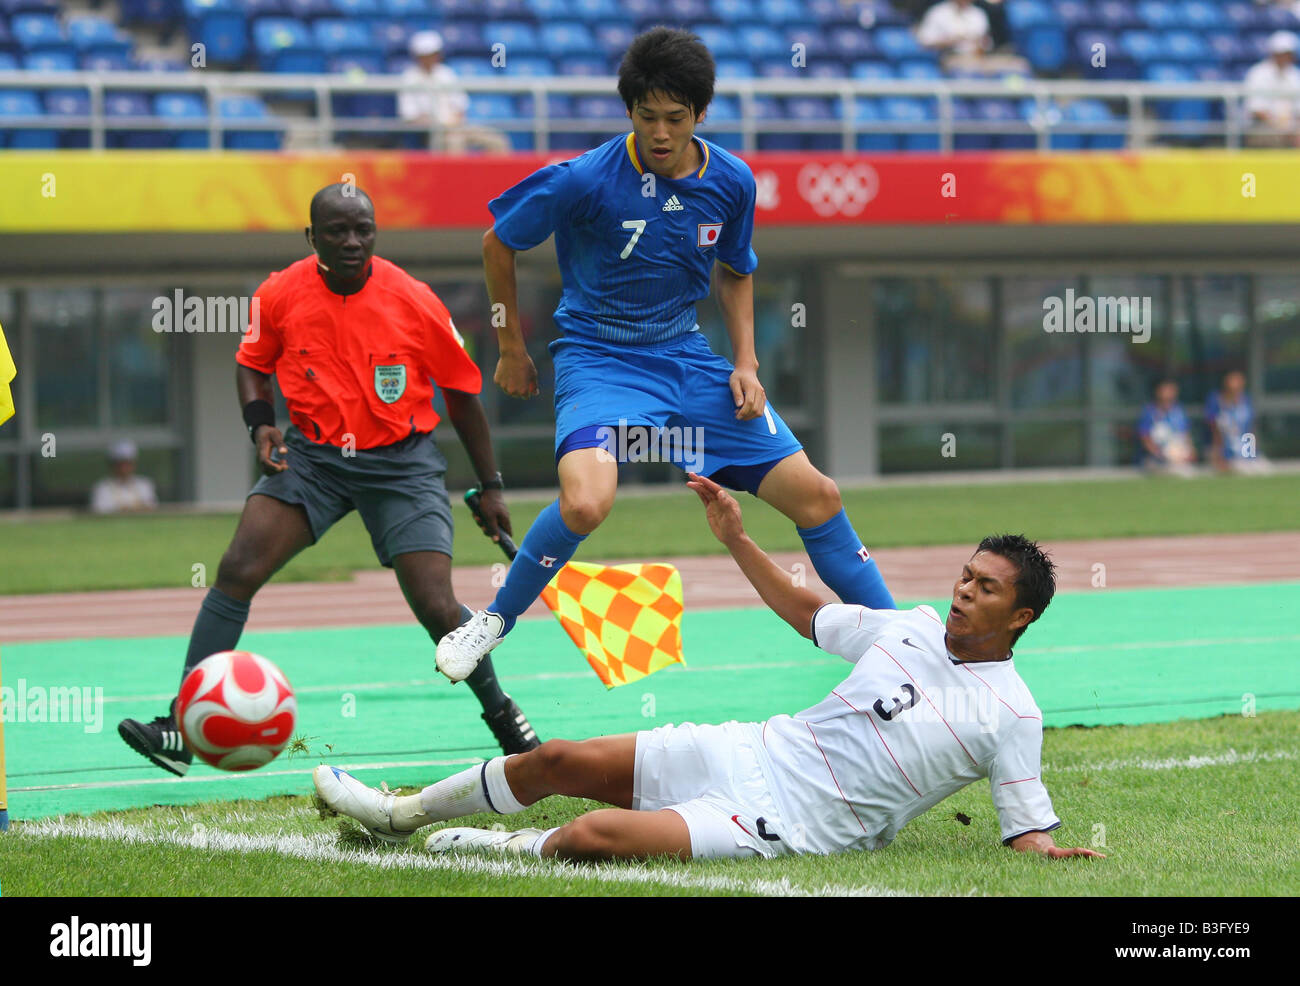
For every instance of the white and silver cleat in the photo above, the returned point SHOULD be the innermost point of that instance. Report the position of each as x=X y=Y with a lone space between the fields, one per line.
x=481 y=840
x=343 y=794
x=461 y=649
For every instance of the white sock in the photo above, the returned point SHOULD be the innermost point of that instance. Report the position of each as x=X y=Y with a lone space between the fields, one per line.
x=535 y=847
x=458 y=795
x=501 y=799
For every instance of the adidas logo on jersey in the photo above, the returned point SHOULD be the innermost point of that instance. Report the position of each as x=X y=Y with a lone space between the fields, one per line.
x=672 y=205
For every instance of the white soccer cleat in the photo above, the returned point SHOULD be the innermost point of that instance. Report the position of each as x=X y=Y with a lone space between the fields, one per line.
x=460 y=650
x=343 y=794
x=481 y=840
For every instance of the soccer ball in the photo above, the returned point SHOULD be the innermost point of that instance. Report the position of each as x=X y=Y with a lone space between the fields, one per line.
x=236 y=710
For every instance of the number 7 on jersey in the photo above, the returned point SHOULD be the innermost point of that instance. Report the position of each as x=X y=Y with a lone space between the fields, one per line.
x=634 y=224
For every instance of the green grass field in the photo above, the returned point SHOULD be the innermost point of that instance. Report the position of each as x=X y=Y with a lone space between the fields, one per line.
x=1204 y=808
x=151 y=552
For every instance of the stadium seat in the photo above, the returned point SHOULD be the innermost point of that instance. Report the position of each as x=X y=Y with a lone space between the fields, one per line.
x=872 y=70
x=614 y=37
x=194 y=9
x=761 y=41
x=1277 y=18
x=17 y=104
x=738 y=12
x=7 y=62
x=831 y=12
x=391 y=37
x=529 y=66
x=160 y=64
x=1242 y=15
x=224 y=37
x=470 y=66
x=851 y=43
x=247 y=108
x=406 y=9
x=911 y=110
x=88 y=33
x=722 y=41
x=337 y=35
x=492 y=107
x=506 y=9
x=67 y=102
x=1157 y=14
x=358 y=9
x=49 y=61
x=685 y=11
x=463 y=38
x=561 y=38
x=916 y=68
x=583 y=65
x=963 y=112
x=11 y=7
x=735 y=68
x=39 y=32
x=305 y=10
x=593 y=10
x=105 y=61
x=284 y=44
x=780 y=68
x=1029 y=13
x=180 y=106
x=549 y=10
x=1142 y=47
x=1228 y=47
x=356 y=63
x=1117 y=14
x=1187 y=46
x=1201 y=15
x=867 y=111
x=1044 y=48
x=1090 y=111
x=778 y=12
x=897 y=43
x=641 y=11
x=252 y=9
x=519 y=37
x=827 y=67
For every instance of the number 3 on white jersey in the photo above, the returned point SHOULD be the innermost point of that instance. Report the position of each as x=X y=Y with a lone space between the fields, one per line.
x=634 y=224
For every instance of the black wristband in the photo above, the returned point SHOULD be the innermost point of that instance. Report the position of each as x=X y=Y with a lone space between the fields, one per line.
x=256 y=414
x=495 y=483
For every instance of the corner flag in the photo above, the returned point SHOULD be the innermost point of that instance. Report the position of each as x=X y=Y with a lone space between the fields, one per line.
x=7 y=372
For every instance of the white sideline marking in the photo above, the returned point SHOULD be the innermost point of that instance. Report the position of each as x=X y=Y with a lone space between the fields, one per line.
x=1227 y=759
x=322 y=848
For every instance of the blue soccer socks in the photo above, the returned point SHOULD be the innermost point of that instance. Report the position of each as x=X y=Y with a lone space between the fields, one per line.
x=546 y=547
x=844 y=563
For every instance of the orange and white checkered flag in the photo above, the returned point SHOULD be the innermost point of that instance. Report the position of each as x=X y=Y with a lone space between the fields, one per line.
x=626 y=619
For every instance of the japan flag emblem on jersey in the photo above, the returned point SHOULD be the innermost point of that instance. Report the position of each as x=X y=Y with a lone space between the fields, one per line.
x=709 y=234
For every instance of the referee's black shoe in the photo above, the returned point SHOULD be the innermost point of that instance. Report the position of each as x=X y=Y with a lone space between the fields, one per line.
x=158 y=741
x=510 y=726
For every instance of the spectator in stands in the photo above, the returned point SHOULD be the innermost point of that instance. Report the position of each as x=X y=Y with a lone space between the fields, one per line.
x=434 y=101
x=1164 y=434
x=1231 y=417
x=959 y=31
x=123 y=491
x=1275 y=115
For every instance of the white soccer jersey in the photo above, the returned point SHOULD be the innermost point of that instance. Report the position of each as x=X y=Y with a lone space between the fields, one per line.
x=909 y=726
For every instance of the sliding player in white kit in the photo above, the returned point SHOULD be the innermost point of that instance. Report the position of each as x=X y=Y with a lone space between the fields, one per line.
x=929 y=707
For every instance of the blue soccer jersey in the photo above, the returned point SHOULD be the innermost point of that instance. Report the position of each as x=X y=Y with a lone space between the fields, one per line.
x=636 y=250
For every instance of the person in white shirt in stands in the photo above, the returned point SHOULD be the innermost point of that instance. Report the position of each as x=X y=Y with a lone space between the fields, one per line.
x=929 y=707
x=1273 y=113
x=123 y=491
x=432 y=100
x=959 y=32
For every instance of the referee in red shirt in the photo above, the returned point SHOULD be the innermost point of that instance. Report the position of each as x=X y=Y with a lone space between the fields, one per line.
x=353 y=341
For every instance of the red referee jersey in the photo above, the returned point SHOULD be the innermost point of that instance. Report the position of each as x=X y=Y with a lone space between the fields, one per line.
x=356 y=365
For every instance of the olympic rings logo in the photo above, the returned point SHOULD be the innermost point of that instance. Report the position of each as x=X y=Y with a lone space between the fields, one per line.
x=838 y=189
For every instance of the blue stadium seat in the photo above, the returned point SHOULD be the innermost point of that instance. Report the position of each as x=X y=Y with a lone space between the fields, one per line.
x=761 y=41
x=160 y=64
x=1277 y=18
x=738 y=12
x=735 y=68
x=1023 y=14
x=335 y=35
x=1158 y=14
x=105 y=61
x=963 y=111
x=780 y=12
x=49 y=61
x=722 y=41
x=11 y=7
x=359 y=9
x=1045 y=48
x=305 y=10
x=614 y=37
x=827 y=67
x=780 y=68
x=897 y=43
x=506 y=9
x=1087 y=111
x=1201 y=15
x=546 y=10
x=1075 y=13
x=528 y=66
x=67 y=102
x=463 y=38
x=831 y=12
x=595 y=107
x=1142 y=46
x=867 y=110
x=913 y=110
x=851 y=43
x=118 y=103
x=247 y=108
x=567 y=38
x=491 y=107
x=356 y=63
x=917 y=68
x=1212 y=73
x=583 y=65
x=593 y=10
x=8 y=63
x=274 y=34
x=39 y=32
x=406 y=8
x=642 y=11
x=872 y=70
x=1116 y=14
x=19 y=103
x=390 y=37
x=180 y=106
x=96 y=33
x=519 y=37
x=1187 y=46
x=1228 y=47
x=470 y=66
x=252 y=9
x=223 y=35
x=685 y=11
x=193 y=9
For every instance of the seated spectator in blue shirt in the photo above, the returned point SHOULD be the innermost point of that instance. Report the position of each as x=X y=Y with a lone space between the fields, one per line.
x=1164 y=434
x=1231 y=417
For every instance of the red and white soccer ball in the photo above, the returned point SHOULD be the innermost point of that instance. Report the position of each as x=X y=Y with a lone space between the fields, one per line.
x=236 y=710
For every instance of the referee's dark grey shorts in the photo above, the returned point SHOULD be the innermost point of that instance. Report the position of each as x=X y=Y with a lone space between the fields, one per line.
x=397 y=489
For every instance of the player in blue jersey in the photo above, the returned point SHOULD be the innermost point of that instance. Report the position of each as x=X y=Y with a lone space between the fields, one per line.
x=641 y=225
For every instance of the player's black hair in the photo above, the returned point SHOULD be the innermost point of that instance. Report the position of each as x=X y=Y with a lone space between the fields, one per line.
x=1036 y=581
x=335 y=191
x=669 y=61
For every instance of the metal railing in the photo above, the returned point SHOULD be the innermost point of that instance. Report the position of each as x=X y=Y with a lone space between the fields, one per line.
x=1136 y=107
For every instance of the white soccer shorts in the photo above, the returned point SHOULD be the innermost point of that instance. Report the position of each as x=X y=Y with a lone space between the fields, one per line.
x=711 y=776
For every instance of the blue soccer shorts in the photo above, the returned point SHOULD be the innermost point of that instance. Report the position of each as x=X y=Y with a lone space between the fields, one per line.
x=676 y=400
